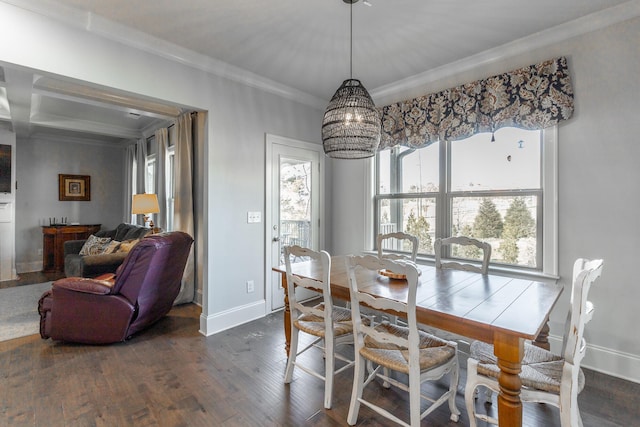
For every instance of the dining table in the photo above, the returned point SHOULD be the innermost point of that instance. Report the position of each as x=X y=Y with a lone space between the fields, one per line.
x=498 y=309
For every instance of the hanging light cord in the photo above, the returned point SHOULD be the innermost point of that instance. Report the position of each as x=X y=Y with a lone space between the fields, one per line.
x=351 y=41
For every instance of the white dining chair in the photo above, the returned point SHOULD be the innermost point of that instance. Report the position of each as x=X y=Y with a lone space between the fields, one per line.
x=325 y=322
x=546 y=377
x=395 y=241
x=391 y=347
x=484 y=247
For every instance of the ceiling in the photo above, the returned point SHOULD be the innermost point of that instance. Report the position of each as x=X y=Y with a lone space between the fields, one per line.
x=297 y=47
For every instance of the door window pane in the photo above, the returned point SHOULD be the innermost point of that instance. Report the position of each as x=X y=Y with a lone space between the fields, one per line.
x=295 y=203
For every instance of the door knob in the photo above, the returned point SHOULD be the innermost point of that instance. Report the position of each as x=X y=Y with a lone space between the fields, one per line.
x=276 y=239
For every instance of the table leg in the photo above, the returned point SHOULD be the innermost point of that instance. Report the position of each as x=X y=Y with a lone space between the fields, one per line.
x=542 y=340
x=509 y=350
x=287 y=316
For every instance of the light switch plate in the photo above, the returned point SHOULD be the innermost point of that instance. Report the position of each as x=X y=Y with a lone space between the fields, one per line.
x=253 y=217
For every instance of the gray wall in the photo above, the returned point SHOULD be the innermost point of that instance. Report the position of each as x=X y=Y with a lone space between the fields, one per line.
x=598 y=186
x=38 y=163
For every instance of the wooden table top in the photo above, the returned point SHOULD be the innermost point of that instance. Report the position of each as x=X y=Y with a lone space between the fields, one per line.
x=466 y=303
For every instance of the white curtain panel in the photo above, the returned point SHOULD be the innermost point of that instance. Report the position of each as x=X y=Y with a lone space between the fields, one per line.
x=162 y=141
x=141 y=171
x=183 y=199
x=129 y=159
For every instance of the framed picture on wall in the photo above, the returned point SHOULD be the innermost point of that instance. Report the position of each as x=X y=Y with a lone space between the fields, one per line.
x=74 y=187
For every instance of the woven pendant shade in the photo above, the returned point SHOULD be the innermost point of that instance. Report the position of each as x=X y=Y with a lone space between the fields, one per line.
x=351 y=124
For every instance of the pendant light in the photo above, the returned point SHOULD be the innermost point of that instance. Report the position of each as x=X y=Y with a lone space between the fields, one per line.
x=351 y=124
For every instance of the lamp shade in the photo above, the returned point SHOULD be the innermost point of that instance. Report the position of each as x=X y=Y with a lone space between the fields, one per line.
x=144 y=204
x=352 y=124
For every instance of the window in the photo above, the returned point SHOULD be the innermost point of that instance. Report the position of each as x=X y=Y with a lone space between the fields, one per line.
x=171 y=179
x=502 y=192
x=150 y=177
x=151 y=172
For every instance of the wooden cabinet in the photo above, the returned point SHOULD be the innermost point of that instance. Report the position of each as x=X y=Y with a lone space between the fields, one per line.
x=53 y=243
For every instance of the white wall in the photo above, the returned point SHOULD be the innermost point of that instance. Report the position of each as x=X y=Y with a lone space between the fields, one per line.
x=234 y=152
x=7 y=215
x=38 y=164
x=599 y=201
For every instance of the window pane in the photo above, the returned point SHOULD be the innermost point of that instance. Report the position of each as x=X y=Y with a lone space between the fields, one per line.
x=384 y=172
x=511 y=162
x=420 y=170
x=407 y=170
x=414 y=216
x=507 y=223
x=150 y=178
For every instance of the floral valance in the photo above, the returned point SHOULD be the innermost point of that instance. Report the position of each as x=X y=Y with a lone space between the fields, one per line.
x=533 y=97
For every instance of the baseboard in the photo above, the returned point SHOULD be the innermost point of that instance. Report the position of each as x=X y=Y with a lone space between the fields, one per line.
x=605 y=360
x=218 y=322
x=28 y=267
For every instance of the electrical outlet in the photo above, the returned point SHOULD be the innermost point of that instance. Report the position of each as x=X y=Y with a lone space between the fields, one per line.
x=40 y=251
x=250 y=287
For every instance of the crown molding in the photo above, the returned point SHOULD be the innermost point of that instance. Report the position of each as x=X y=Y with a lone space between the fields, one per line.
x=37 y=135
x=95 y=24
x=75 y=125
x=98 y=97
x=387 y=94
x=382 y=95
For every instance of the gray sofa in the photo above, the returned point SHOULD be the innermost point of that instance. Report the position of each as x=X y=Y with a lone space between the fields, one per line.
x=76 y=265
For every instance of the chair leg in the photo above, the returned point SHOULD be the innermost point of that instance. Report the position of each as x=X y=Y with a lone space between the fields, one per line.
x=386 y=372
x=356 y=391
x=293 y=352
x=453 y=387
x=469 y=391
x=329 y=372
x=414 y=396
x=569 y=411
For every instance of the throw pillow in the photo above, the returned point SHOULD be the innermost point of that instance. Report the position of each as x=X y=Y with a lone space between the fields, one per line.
x=127 y=245
x=112 y=247
x=94 y=245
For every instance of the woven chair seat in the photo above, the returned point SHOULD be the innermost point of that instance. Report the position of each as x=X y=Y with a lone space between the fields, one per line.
x=314 y=325
x=433 y=350
x=541 y=369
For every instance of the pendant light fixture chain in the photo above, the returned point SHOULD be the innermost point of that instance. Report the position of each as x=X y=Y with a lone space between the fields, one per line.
x=351 y=40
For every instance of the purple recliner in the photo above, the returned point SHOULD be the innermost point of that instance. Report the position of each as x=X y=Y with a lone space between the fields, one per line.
x=103 y=311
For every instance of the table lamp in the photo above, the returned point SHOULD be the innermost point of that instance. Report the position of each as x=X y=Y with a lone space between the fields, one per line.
x=145 y=204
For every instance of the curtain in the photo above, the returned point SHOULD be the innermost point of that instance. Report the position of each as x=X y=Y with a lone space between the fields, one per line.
x=129 y=159
x=162 y=141
x=533 y=97
x=183 y=217
x=141 y=171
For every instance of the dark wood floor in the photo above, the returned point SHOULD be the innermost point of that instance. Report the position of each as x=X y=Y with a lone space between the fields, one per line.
x=171 y=375
x=30 y=278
